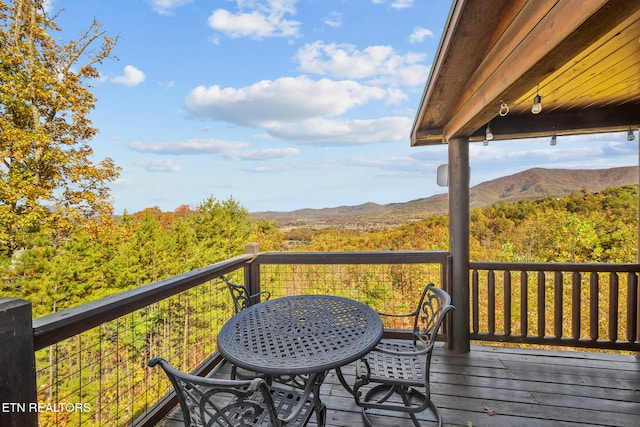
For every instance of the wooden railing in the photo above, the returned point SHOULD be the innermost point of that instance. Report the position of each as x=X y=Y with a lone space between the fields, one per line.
x=575 y=305
x=93 y=357
x=87 y=365
x=388 y=281
x=579 y=305
x=64 y=324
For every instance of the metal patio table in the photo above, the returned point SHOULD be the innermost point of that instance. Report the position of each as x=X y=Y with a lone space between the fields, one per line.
x=304 y=335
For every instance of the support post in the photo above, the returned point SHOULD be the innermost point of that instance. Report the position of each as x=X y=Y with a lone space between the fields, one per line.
x=17 y=365
x=459 y=241
x=638 y=254
x=252 y=270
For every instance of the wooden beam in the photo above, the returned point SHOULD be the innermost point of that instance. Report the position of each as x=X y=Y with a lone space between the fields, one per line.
x=438 y=65
x=427 y=137
x=567 y=29
x=517 y=29
x=573 y=122
x=602 y=62
x=457 y=58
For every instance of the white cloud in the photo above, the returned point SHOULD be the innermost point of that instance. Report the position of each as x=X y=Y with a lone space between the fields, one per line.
x=380 y=64
x=402 y=4
x=334 y=19
x=302 y=110
x=389 y=166
x=273 y=168
x=257 y=19
x=166 y=7
x=132 y=77
x=231 y=150
x=192 y=146
x=47 y=5
x=261 y=154
x=288 y=99
x=419 y=34
x=123 y=182
x=159 y=165
x=618 y=149
x=571 y=152
x=325 y=132
x=396 y=4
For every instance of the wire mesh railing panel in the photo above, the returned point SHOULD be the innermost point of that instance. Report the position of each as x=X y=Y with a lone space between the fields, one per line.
x=387 y=288
x=100 y=377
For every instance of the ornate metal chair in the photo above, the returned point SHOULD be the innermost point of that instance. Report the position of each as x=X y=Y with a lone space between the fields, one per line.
x=240 y=295
x=241 y=300
x=395 y=375
x=231 y=403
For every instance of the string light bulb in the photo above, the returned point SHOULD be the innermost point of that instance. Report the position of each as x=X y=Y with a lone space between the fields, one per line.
x=488 y=135
x=537 y=103
x=554 y=140
x=630 y=136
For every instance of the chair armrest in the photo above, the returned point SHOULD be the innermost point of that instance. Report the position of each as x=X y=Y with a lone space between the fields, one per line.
x=266 y=293
x=397 y=315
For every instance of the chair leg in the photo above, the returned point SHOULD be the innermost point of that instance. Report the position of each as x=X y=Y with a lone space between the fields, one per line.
x=386 y=390
x=407 y=401
x=379 y=389
x=321 y=415
x=381 y=393
x=233 y=372
x=320 y=407
x=436 y=412
x=367 y=422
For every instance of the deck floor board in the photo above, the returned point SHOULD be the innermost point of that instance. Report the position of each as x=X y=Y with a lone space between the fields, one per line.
x=525 y=387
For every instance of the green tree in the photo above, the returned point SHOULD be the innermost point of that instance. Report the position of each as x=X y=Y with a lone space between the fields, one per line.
x=48 y=180
x=222 y=228
x=151 y=248
x=268 y=236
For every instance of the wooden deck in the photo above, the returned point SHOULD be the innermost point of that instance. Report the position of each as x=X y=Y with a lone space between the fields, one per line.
x=498 y=386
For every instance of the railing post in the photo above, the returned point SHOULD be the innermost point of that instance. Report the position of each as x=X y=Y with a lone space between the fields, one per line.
x=446 y=273
x=18 y=400
x=252 y=270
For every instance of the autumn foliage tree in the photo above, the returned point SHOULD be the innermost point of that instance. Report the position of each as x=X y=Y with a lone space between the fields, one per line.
x=48 y=180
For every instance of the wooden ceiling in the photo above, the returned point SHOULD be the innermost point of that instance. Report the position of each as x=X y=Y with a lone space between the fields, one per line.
x=581 y=56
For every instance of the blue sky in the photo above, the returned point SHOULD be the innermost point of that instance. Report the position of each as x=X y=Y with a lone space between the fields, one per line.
x=283 y=104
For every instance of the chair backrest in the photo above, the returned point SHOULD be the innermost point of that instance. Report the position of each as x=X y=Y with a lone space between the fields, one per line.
x=239 y=294
x=226 y=403
x=433 y=306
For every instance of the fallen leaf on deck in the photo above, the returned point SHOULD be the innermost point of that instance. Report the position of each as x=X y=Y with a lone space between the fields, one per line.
x=489 y=411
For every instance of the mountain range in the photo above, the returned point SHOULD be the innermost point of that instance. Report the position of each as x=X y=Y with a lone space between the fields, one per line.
x=530 y=184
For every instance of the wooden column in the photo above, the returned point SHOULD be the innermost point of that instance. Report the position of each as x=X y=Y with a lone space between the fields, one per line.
x=17 y=365
x=459 y=240
x=638 y=254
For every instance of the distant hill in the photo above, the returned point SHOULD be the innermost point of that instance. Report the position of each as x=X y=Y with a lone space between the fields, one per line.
x=531 y=184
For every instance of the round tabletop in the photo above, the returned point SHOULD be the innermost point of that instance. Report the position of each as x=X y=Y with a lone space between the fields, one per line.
x=301 y=334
